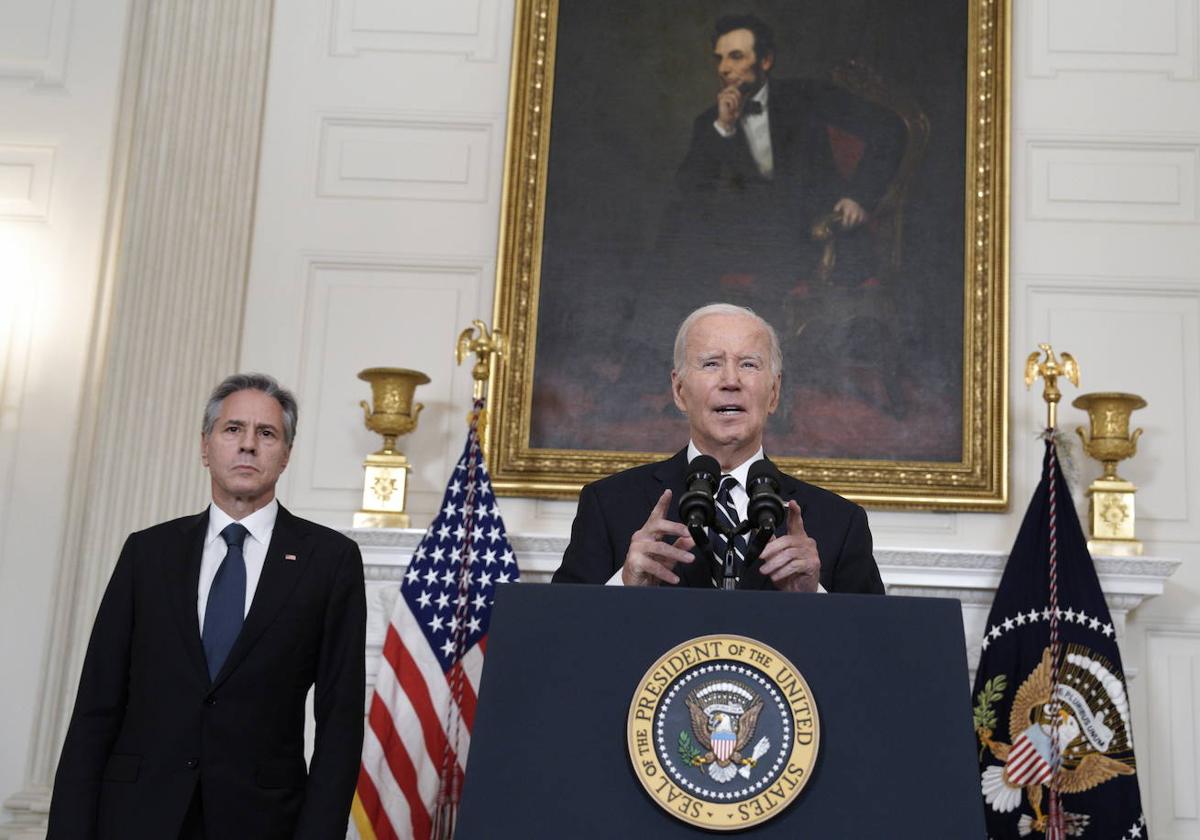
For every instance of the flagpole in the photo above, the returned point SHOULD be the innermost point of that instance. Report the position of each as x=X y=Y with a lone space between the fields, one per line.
x=1049 y=370
x=487 y=345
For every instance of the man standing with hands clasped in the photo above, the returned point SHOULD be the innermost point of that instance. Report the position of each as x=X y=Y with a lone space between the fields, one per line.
x=189 y=720
x=726 y=380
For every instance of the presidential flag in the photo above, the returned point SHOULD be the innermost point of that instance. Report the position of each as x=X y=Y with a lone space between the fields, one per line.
x=1051 y=710
x=421 y=713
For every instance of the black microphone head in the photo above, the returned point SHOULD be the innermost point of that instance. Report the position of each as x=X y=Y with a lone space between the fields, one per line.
x=704 y=465
x=697 y=507
x=762 y=483
x=762 y=472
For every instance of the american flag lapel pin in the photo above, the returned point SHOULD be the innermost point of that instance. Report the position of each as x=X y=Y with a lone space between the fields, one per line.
x=289 y=557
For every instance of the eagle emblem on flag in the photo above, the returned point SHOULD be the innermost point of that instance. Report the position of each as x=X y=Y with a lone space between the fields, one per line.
x=724 y=715
x=1092 y=736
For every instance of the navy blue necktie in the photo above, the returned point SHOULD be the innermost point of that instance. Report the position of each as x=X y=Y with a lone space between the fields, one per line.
x=727 y=517
x=226 y=607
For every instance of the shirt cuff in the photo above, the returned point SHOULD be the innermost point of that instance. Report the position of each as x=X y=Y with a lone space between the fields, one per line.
x=723 y=132
x=615 y=580
x=822 y=589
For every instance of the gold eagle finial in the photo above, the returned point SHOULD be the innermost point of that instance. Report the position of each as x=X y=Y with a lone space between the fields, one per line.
x=485 y=344
x=1050 y=369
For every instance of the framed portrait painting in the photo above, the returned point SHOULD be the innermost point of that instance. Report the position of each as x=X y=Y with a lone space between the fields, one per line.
x=840 y=168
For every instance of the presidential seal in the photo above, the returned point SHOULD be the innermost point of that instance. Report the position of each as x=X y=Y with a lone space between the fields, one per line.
x=723 y=732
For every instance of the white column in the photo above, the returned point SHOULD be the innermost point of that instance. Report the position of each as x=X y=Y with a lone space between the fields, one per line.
x=168 y=319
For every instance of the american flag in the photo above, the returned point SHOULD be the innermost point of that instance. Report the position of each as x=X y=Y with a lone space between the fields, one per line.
x=423 y=707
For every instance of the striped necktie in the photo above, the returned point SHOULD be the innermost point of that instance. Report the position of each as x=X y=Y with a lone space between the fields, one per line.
x=727 y=518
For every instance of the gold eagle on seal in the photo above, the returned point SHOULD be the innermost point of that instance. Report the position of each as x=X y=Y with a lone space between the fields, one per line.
x=724 y=716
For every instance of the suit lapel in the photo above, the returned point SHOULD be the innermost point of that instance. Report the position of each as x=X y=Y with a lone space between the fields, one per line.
x=287 y=558
x=670 y=475
x=183 y=582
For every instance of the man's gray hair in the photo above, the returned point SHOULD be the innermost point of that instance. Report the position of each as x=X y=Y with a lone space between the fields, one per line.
x=253 y=382
x=681 y=337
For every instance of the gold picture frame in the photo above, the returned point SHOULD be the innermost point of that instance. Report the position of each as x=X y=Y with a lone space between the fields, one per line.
x=976 y=480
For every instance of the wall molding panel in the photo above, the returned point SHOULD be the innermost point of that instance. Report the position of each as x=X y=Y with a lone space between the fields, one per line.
x=368 y=311
x=1121 y=36
x=26 y=172
x=1126 y=181
x=410 y=157
x=461 y=27
x=1173 y=696
x=16 y=338
x=35 y=41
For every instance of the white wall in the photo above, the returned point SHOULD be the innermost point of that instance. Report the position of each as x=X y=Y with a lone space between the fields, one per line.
x=60 y=64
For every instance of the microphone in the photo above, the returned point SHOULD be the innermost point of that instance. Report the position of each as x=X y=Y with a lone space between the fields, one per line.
x=765 y=510
x=697 y=508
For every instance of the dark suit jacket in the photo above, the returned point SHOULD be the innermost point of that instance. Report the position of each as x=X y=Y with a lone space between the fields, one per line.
x=149 y=725
x=612 y=509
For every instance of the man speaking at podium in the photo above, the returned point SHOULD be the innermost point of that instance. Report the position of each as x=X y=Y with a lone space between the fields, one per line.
x=627 y=530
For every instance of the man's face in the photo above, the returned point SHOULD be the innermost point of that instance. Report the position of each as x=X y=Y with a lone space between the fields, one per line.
x=738 y=63
x=728 y=390
x=245 y=452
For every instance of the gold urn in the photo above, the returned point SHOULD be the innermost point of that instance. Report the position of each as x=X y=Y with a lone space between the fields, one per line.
x=1110 y=497
x=385 y=485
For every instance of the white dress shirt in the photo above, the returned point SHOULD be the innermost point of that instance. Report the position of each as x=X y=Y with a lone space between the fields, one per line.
x=260 y=524
x=758 y=134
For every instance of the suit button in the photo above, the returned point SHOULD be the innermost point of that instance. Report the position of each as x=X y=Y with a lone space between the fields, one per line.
x=210 y=701
x=192 y=763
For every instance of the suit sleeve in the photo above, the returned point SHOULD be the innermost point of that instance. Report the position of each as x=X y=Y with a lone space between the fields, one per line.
x=99 y=709
x=338 y=704
x=712 y=160
x=856 y=571
x=590 y=556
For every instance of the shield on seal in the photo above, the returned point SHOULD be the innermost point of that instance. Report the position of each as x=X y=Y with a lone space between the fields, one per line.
x=1029 y=758
x=722 y=744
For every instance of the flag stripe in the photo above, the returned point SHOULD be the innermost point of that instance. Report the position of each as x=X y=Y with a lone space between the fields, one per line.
x=387 y=758
x=467 y=706
x=425 y=756
x=401 y=766
x=408 y=675
x=430 y=691
x=368 y=812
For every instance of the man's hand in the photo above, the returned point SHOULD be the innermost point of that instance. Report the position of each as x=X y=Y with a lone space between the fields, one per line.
x=851 y=213
x=729 y=108
x=791 y=561
x=649 y=560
